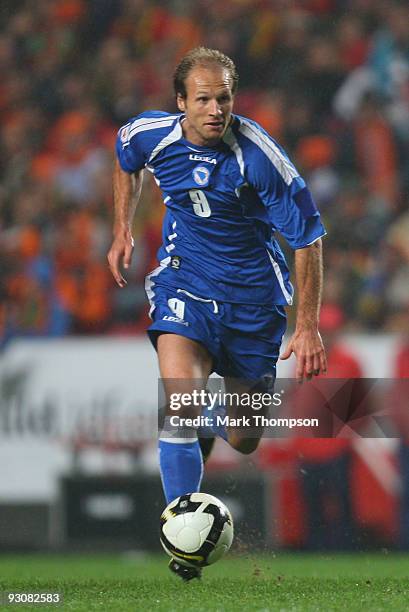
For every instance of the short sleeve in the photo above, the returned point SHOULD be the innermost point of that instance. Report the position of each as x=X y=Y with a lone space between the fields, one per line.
x=130 y=155
x=290 y=206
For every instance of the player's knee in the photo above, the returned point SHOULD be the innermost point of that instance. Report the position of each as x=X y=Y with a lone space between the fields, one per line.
x=245 y=446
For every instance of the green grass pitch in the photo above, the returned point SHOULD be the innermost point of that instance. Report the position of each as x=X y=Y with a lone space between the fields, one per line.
x=282 y=582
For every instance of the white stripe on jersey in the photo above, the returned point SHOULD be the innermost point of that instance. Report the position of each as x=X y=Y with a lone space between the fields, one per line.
x=174 y=135
x=230 y=139
x=281 y=163
x=150 y=126
x=149 y=283
x=146 y=121
x=171 y=237
x=276 y=268
x=155 y=178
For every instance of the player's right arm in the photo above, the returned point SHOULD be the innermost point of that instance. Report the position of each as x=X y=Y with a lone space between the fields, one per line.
x=135 y=142
x=127 y=185
x=127 y=190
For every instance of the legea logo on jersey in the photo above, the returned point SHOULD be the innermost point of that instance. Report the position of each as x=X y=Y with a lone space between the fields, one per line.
x=201 y=175
x=209 y=160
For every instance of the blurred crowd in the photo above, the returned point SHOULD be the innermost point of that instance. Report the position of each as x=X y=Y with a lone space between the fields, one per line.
x=328 y=79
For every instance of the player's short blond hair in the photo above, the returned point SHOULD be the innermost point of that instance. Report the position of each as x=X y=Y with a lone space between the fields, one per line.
x=202 y=56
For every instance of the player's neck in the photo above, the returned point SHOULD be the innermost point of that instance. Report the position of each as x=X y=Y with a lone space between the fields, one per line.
x=193 y=137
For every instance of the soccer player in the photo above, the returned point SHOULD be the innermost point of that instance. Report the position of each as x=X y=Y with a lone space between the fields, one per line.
x=218 y=295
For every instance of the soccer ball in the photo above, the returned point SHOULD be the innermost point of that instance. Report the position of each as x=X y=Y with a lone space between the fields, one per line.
x=196 y=529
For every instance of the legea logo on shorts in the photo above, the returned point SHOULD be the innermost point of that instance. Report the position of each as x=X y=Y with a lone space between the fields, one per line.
x=175 y=320
x=201 y=175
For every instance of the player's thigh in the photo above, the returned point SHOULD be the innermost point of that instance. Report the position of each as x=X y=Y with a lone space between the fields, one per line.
x=253 y=349
x=249 y=395
x=182 y=358
x=184 y=366
x=182 y=334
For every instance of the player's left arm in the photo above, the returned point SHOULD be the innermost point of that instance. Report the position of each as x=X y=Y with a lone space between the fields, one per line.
x=293 y=212
x=306 y=342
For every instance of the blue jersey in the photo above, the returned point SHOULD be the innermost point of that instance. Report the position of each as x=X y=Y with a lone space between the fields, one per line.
x=224 y=205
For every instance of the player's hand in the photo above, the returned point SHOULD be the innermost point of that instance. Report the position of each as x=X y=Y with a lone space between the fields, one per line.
x=120 y=252
x=307 y=346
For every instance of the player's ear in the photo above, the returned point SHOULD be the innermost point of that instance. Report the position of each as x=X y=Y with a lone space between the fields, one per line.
x=180 y=100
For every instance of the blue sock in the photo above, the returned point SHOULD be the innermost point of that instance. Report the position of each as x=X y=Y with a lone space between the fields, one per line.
x=181 y=468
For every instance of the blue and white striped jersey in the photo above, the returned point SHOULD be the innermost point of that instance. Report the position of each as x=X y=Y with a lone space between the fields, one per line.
x=224 y=205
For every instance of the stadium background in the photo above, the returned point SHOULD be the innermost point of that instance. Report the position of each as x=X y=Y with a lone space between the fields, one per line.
x=330 y=81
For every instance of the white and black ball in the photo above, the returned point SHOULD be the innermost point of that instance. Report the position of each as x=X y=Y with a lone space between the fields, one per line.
x=196 y=529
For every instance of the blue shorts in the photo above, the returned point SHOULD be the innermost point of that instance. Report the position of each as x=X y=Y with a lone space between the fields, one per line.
x=243 y=339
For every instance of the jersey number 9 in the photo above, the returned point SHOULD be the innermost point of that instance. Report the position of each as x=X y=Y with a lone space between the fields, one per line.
x=201 y=206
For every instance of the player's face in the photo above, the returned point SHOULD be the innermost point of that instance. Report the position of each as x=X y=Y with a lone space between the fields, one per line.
x=208 y=104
